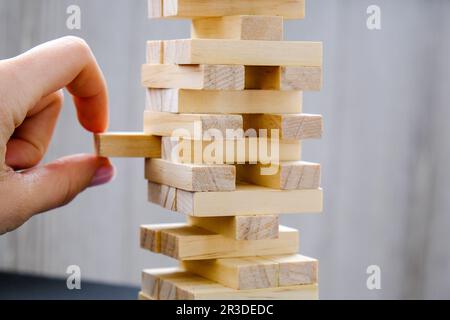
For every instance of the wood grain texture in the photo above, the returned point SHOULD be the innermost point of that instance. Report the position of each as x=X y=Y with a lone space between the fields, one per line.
x=127 y=144
x=248 y=200
x=192 y=126
x=246 y=150
x=238 y=28
x=224 y=101
x=283 y=78
x=154 y=52
x=191 y=177
x=289 y=9
x=257 y=272
x=290 y=175
x=177 y=284
x=207 y=77
x=287 y=126
x=240 y=227
x=239 y=52
x=162 y=195
x=194 y=243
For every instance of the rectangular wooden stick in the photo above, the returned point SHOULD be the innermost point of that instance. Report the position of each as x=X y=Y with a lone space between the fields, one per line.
x=127 y=145
x=194 y=243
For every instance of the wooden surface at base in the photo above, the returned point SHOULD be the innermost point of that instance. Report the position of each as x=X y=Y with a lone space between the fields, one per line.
x=289 y=126
x=223 y=102
x=191 y=177
x=191 y=126
x=208 y=77
x=290 y=175
x=238 y=28
x=230 y=151
x=127 y=144
x=240 y=227
x=194 y=243
x=243 y=52
x=248 y=200
x=257 y=272
x=289 y=9
x=283 y=78
x=177 y=284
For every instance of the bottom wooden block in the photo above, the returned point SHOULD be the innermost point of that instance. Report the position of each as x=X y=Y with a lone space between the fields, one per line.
x=177 y=284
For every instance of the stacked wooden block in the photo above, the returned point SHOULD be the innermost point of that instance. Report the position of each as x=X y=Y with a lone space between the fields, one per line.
x=235 y=75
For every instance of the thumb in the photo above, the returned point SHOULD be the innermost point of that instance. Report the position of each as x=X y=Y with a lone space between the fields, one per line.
x=56 y=184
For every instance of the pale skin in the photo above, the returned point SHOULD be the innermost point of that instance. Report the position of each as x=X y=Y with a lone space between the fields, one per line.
x=30 y=102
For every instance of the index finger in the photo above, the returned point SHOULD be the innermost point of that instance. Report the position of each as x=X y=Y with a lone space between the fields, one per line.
x=66 y=62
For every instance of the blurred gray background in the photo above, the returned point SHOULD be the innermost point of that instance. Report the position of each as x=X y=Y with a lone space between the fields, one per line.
x=385 y=152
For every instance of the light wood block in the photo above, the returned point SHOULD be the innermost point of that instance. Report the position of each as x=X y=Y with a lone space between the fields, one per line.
x=192 y=126
x=162 y=195
x=143 y=297
x=239 y=28
x=183 y=285
x=239 y=52
x=241 y=227
x=287 y=126
x=291 y=175
x=155 y=53
x=246 y=150
x=283 y=78
x=191 y=177
x=289 y=9
x=208 y=77
x=248 y=200
x=127 y=144
x=194 y=243
x=257 y=272
x=224 y=102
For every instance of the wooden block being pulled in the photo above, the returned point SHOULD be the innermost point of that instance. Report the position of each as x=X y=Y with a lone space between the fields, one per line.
x=287 y=126
x=154 y=53
x=177 y=284
x=290 y=175
x=194 y=243
x=240 y=52
x=289 y=9
x=238 y=28
x=246 y=150
x=257 y=272
x=127 y=144
x=283 y=78
x=191 y=177
x=240 y=227
x=224 y=102
x=208 y=77
x=192 y=126
x=246 y=200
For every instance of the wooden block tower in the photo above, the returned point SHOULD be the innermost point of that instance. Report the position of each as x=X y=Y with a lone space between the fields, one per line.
x=222 y=136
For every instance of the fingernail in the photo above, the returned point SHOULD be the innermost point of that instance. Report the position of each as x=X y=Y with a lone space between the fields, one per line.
x=103 y=175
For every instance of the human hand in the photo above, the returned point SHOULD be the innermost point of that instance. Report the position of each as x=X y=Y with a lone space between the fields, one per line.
x=30 y=102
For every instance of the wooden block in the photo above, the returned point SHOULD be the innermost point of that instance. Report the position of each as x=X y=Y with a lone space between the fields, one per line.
x=291 y=175
x=143 y=297
x=162 y=195
x=288 y=126
x=191 y=177
x=296 y=269
x=241 y=227
x=257 y=272
x=208 y=77
x=155 y=286
x=192 y=126
x=289 y=9
x=246 y=150
x=239 y=28
x=283 y=78
x=155 y=53
x=187 y=286
x=248 y=200
x=239 y=52
x=224 y=102
x=194 y=243
x=127 y=144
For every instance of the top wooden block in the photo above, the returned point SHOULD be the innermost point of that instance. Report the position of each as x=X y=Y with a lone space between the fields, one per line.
x=189 y=9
